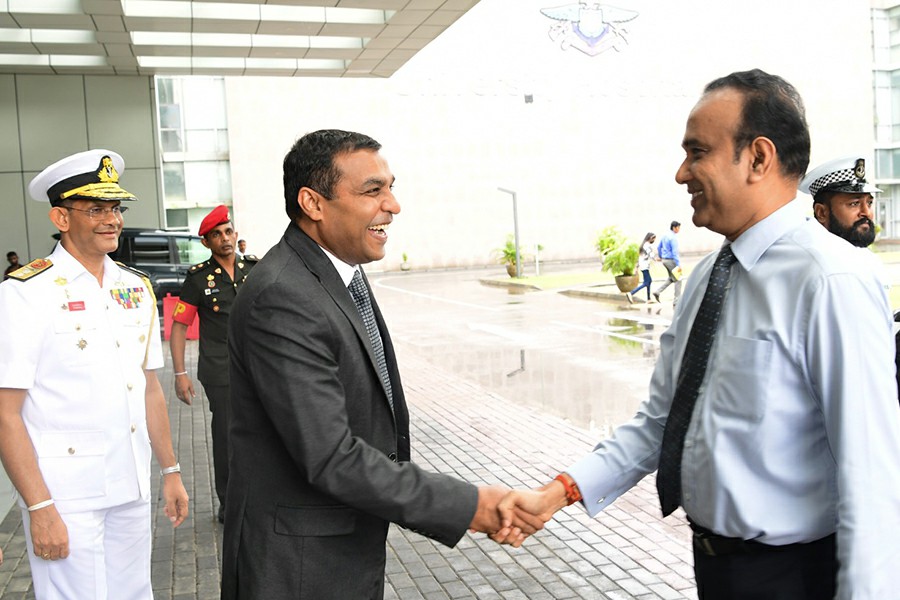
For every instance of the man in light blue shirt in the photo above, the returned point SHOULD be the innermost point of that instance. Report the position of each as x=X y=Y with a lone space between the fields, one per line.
x=789 y=472
x=668 y=254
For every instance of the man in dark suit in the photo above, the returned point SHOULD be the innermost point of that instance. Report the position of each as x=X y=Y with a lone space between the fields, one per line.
x=320 y=429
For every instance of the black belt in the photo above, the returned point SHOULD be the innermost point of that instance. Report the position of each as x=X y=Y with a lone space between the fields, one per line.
x=713 y=544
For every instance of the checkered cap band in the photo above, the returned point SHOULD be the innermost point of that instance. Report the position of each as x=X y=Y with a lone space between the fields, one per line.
x=842 y=176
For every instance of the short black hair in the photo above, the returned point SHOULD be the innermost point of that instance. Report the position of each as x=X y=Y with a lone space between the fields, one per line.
x=11 y=253
x=772 y=109
x=674 y=224
x=310 y=163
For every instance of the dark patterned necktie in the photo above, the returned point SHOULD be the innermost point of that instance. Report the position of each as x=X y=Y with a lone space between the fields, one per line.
x=364 y=306
x=690 y=377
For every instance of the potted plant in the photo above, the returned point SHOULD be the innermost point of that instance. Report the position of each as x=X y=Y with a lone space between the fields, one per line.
x=620 y=257
x=404 y=265
x=507 y=255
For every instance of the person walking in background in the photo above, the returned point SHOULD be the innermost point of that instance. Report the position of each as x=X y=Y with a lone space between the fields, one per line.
x=647 y=255
x=208 y=291
x=13 y=259
x=668 y=254
x=242 y=247
x=81 y=408
x=771 y=417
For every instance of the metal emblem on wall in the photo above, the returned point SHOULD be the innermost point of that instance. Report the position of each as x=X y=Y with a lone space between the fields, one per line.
x=590 y=27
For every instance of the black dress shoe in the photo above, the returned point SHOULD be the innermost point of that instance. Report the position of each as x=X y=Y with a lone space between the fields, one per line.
x=221 y=516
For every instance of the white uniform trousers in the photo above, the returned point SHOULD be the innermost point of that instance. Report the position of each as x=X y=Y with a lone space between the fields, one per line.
x=109 y=556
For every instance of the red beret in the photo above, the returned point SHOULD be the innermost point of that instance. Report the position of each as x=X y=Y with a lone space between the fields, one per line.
x=215 y=218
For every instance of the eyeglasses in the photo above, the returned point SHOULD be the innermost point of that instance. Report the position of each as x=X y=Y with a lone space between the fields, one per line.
x=98 y=213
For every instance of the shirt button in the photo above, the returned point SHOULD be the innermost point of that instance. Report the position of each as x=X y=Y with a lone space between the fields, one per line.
x=71 y=450
x=118 y=344
x=142 y=338
x=130 y=387
x=687 y=496
x=688 y=443
x=133 y=428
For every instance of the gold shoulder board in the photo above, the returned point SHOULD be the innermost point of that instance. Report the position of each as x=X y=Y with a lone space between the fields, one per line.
x=35 y=267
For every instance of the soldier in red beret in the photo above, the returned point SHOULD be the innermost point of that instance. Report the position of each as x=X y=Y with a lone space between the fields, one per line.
x=209 y=290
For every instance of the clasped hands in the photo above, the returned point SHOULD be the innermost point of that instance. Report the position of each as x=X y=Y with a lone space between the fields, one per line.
x=509 y=516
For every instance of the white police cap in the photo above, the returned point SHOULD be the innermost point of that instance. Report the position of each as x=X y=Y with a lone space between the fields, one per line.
x=90 y=175
x=847 y=174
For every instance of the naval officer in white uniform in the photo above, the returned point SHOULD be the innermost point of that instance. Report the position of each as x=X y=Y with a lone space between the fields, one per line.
x=80 y=403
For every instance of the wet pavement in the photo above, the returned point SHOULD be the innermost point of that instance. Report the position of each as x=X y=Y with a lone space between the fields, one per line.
x=505 y=386
x=586 y=358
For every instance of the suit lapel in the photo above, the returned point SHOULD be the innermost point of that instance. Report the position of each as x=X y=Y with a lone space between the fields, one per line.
x=321 y=267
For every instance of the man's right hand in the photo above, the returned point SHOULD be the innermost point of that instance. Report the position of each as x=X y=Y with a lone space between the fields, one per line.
x=49 y=534
x=184 y=388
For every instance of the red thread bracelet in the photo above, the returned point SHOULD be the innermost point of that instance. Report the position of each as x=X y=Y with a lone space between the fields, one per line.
x=573 y=495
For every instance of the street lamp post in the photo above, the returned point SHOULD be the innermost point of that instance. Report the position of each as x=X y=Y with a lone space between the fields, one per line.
x=515 y=229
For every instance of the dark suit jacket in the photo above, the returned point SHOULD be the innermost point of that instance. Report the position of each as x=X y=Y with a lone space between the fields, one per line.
x=319 y=464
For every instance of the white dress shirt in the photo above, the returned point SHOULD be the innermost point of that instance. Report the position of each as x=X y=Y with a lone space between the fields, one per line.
x=80 y=350
x=796 y=431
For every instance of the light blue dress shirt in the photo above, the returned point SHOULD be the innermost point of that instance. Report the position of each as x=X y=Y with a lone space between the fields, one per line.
x=668 y=247
x=796 y=432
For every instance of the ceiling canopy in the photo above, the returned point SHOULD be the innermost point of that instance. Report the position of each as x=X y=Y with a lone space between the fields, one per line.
x=291 y=38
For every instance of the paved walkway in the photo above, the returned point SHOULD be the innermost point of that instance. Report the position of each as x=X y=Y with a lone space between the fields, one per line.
x=459 y=428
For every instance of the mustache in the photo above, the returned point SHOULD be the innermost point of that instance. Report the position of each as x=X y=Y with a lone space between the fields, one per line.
x=863 y=221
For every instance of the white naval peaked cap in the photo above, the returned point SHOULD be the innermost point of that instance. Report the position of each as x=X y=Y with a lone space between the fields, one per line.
x=846 y=174
x=90 y=175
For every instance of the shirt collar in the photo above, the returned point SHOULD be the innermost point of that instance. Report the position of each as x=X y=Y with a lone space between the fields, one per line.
x=70 y=269
x=344 y=270
x=753 y=243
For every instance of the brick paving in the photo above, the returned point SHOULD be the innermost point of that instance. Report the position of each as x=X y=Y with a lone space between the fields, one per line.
x=627 y=552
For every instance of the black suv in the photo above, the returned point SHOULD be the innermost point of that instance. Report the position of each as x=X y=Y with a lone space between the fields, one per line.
x=165 y=255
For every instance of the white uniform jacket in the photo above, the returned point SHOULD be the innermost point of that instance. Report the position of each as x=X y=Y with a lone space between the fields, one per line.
x=80 y=351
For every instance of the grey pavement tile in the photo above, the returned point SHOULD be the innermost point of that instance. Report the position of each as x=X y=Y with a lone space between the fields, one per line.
x=458 y=428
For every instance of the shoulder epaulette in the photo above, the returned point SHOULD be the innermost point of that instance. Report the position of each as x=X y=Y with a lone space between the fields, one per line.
x=198 y=266
x=137 y=272
x=250 y=258
x=35 y=267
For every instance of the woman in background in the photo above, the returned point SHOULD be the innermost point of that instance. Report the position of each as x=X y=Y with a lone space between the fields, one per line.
x=648 y=254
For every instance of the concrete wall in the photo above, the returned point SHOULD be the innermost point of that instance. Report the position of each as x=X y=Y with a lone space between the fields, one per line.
x=598 y=145
x=44 y=118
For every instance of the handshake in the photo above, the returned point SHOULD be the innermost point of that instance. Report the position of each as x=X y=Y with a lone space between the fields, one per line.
x=510 y=516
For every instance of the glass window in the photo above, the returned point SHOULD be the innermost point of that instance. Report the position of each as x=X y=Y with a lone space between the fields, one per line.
x=150 y=249
x=167 y=90
x=207 y=183
x=883 y=160
x=171 y=140
x=203 y=140
x=191 y=250
x=173 y=181
x=169 y=116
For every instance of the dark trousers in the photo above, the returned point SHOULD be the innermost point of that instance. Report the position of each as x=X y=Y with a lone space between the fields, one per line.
x=792 y=572
x=219 y=397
